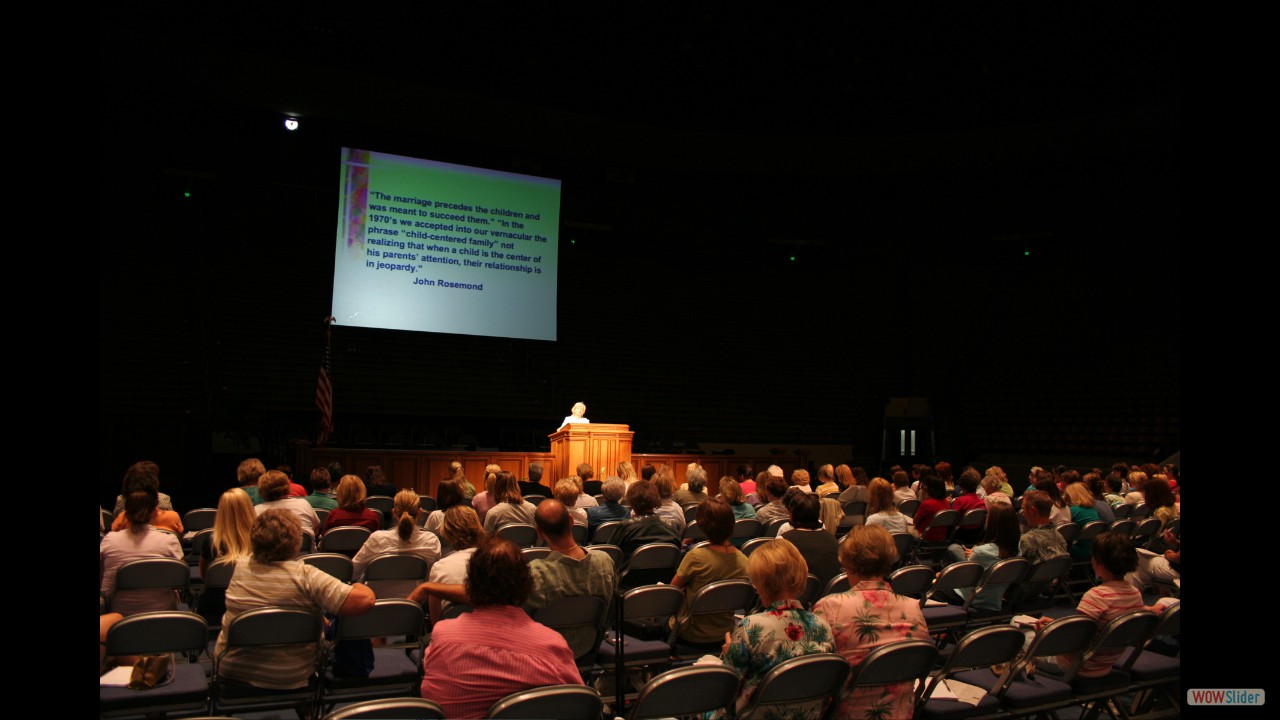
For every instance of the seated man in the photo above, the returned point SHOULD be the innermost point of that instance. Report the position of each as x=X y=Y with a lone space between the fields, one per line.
x=1040 y=542
x=482 y=656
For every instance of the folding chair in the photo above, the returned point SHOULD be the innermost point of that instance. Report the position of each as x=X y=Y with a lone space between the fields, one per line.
x=812 y=591
x=945 y=619
x=345 y=539
x=534 y=553
x=563 y=702
x=909 y=507
x=693 y=532
x=1041 y=693
x=382 y=504
x=944 y=519
x=169 y=631
x=408 y=708
x=771 y=530
x=649 y=564
x=1008 y=573
x=263 y=628
x=579 y=533
x=395 y=576
x=613 y=551
x=604 y=533
x=1151 y=672
x=903 y=661
x=580 y=619
x=334 y=564
x=746 y=529
x=520 y=534
x=1131 y=629
x=809 y=683
x=1145 y=530
x=749 y=546
x=837 y=584
x=322 y=515
x=639 y=636
x=1029 y=596
x=685 y=691
x=396 y=672
x=905 y=542
x=152 y=574
x=981 y=648
x=911 y=581
x=199 y=519
x=720 y=597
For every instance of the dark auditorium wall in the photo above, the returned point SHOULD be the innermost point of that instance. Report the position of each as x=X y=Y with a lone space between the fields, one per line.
x=1020 y=275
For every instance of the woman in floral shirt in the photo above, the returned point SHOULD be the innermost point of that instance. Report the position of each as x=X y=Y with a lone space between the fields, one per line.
x=868 y=616
x=783 y=631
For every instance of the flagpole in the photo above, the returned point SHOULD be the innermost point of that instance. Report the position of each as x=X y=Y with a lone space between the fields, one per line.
x=324 y=388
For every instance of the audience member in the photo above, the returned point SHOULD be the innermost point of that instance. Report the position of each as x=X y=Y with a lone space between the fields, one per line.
x=143 y=470
x=138 y=541
x=1080 y=504
x=480 y=657
x=321 y=498
x=646 y=527
x=231 y=541
x=351 y=509
x=273 y=488
x=534 y=486
x=731 y=492
x=376 y=482
x=448 y=494
x=670 y=511
x=819 y=548
x=509 y=507
x=696 y=490
x=883 y=512
x=567 y=492
x=590 y=486
x=934 y=502
x=145 y=475
x=611 y=509
x=247 y=476
x=999 y=542
x=717 y=560
x=771 y=488
x=461 y=529
x=406 y=538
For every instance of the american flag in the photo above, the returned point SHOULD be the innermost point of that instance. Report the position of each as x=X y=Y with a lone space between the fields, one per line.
x=324 y=393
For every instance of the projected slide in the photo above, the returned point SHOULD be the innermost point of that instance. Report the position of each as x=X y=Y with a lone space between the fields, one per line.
x=431 y=246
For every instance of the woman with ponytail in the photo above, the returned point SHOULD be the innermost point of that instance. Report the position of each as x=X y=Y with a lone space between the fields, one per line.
x=406 y=538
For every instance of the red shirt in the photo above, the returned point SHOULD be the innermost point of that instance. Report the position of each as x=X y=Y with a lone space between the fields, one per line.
x=924 y=515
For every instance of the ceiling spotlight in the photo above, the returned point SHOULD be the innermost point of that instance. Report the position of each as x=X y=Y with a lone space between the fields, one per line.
x=291 y=123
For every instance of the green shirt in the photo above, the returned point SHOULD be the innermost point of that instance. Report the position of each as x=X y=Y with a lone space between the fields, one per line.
x=700 y=568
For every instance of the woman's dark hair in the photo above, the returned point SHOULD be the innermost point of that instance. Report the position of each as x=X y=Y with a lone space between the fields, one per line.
x=139 y=506
x=716 y=519
x=934 y=487
x=1114 y=552
x=498 y=575
x=1157 y=493
x=1002 y=529
x=140 y=475
x=448 y=495
x=642 y=496
x=805 y=511
x=860 y=475
x=969 y=479
x=1047 y=485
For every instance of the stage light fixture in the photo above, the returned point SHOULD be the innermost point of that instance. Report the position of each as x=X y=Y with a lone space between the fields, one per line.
x=291 y=123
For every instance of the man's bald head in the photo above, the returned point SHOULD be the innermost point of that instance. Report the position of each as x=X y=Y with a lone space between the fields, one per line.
x=553 y=518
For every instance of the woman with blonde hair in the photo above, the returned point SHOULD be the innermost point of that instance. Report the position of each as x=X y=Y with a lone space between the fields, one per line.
x=461 y=529
x=782 y=630
x=406 y=538
x=567 y=492
x=458 y=475
x=1081 y=504
x=627 y=473
x=868 y=616
x=230 y=542
x=992 y=493
x=883 y=512
x=351 y=509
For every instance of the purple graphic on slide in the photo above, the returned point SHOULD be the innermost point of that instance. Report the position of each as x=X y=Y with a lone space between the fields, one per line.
x=357 y=197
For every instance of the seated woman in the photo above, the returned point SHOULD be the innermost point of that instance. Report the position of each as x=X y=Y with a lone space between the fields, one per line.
x=461 y=529
x=882 y=510
x=827 y=481
x=870 y=615
x=1160 y=500
x=999 y=542
x=1060 y=514
x=664 y=481
x=273 y=488
x=508 y=506
x=967 y=499
x=231 y=542
x=139 y=540
x=351 y=509
x=731 y=492
x=783 y=630
x=406 y=538
x=991 y=492
x=816 y=545
x=771 y=489
x=142 y=476
x=935 y=501
x=696 y=490
x=1081 y=504
x=719 y=559
x=567 y=492
x=270 y=577
x=646 y=526
x=447 y=495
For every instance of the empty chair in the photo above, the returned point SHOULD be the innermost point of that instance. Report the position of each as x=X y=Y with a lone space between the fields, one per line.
x=1030 y=596
x=172 y=631
x=563 y=702
x=946 y=619
x=406 y=708
x=381 y=503
x=334 y=564
x=395 y=673
x=905 y=542
x=1131 y=630
x=999 y=579
x=1023 y=695
x=395 y=576
x=520 y=534
x=912 y=581
x=981 y=648
x=640 y=637
x=345 y=539
x=909 y=507
x=1151 y=672
x=1125 y=527
x=1145 y=530
x=686 y=691
x=804 y=686
x=199 y=519
x=1123 y=511
x=649 y=564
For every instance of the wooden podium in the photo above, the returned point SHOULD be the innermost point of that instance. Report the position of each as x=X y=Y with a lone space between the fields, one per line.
x=600 y=445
